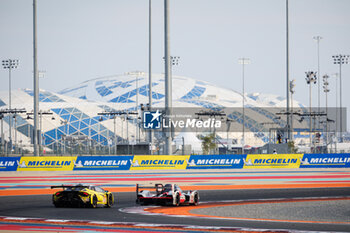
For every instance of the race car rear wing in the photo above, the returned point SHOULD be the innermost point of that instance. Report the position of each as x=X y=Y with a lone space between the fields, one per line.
x=157 y=187
x=69 y=186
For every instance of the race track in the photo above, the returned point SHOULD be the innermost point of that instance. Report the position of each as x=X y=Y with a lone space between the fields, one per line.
x=40 y=206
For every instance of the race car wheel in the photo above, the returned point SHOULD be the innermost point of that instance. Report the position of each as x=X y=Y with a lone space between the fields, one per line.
x=110 y=200
x=195 y=199
x=177 y=200
x=94 y=202
x=57 y=205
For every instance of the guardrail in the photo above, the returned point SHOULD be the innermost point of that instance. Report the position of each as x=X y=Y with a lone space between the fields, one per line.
x=146 y=162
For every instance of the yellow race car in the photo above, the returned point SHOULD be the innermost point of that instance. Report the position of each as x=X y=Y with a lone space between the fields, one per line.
x=82 y=196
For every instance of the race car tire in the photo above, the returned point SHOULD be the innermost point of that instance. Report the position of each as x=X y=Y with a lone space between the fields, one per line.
x=110 y=200
x=94 y=202
x=177 y=200
x=57 y=205
x=195 y=199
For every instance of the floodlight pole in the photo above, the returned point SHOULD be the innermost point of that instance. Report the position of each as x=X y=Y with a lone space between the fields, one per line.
x=2 y=133
x=287 y=70
x=326 y=90
x=243 y=61
x=150 y=65
x=340 y=60
x=168 y=78
x=336 y=109
x=310 y=78
x=10 y=64
x=292 y=91
x=318 y=39
x=137 y=135
x=36 y=82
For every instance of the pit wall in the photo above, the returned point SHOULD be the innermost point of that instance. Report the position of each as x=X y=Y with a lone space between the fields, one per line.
x=180 y=162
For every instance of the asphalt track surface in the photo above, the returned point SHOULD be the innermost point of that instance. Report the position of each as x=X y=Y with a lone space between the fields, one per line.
x=40 y=206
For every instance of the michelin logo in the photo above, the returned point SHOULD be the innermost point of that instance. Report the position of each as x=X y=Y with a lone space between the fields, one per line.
x=326 y=160
x=248 y=163
x=152 y=120
x=212 y=162
x=41 y=164
x=134 y=164
x=100 y=163
x=157 y=163
x=78 y=164
x=304 y=162
x=191 y=163
x=21 y=165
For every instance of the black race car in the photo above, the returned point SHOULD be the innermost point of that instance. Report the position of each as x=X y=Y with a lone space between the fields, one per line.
x=82 y=196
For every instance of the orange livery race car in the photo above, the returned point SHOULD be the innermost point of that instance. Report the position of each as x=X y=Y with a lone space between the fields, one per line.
x=168 y=194
x=82 y=196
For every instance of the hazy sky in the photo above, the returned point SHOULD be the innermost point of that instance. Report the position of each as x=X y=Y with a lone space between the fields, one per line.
x=85 y=39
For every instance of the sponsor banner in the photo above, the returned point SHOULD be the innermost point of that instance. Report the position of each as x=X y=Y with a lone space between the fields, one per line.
x=103 y=162
x=325 y=160
x=46 y=163
x=216 y=161
x=9 y=163
x=272 y=161
x=144 y=162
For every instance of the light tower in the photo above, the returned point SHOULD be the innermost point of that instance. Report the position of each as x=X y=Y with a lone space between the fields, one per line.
x=326 y=90
x=340 y=60
x=10 y=64
x=168 y=78
x=243 y=61
x=310 y=78
x=292 y=91
x=318 y=39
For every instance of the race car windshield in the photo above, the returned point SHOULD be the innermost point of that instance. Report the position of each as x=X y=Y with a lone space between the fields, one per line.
x=167 y=188
x=75 y=188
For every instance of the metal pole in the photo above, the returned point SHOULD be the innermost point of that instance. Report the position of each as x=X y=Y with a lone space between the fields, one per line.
x=291 y=117
x=65 y=138
x=168 y=78
x=15 y=133
x=326 y=90
x=10 y=107
x=310 y=135
x=115 y=136
x=2 y=134
x=318 y=71
x=137 y=106
x=341 y=104
x=108 y=144
x=123 y=140
x=127 y=131
x=150 y=64
x=287 y=70
x=243 y=61
x=36 y=82
x=243 y=126
x=336 y=109
x=326 y=121
x=40 y=136
x=318 y=39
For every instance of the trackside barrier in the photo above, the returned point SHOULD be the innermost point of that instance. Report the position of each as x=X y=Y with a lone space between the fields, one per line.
x=264 y=161
x=182 y=162
x=216 y=161
x=325 y=161
x=9 y=163
x=146 y=162
x=55 y=163
x=103 y=162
